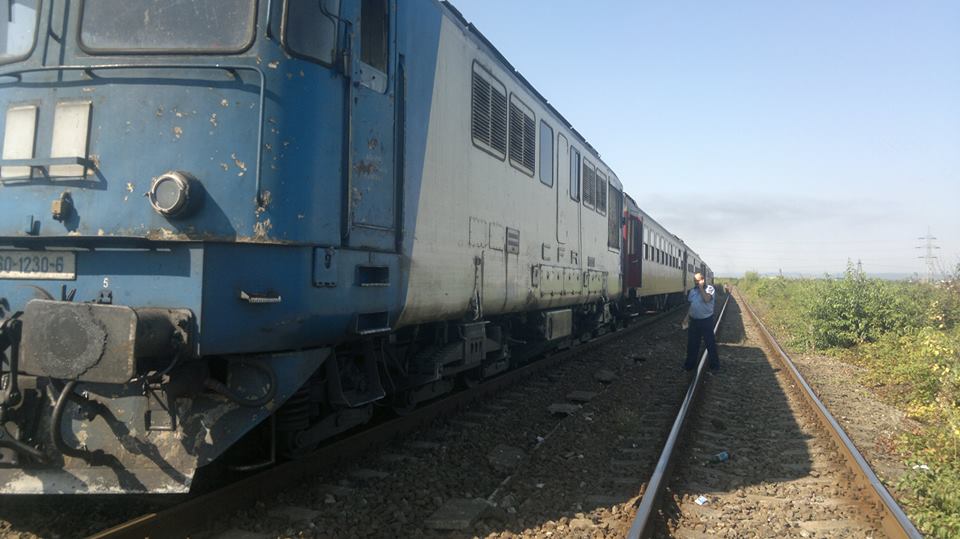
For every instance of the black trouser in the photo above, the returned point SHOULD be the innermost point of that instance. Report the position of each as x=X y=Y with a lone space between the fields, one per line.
x=701 y=329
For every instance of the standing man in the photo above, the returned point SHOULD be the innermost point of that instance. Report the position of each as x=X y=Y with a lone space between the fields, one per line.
x=700 y=322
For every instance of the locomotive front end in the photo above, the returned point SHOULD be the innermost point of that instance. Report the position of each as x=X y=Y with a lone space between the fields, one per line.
x=144 y=329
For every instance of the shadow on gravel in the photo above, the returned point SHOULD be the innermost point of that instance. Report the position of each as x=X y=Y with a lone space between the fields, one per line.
x=62 y=516
x=743 y=411
x=731 y=331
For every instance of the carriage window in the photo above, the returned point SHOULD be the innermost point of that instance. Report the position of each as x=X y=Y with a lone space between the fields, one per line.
x=575 y=175
x=613 y=218
x=373 y=33
x=489 y=113
x=18 y=25
x=601 y=191
x=546 y=154
x=164 y=26
x=310 y=29
x=589 y=183
x=523 y=136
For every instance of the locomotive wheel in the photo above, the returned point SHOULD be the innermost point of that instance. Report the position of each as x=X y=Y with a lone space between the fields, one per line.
x=472 y=378
x=402 y=403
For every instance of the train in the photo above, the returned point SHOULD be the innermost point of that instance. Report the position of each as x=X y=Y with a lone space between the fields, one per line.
x=233 y=229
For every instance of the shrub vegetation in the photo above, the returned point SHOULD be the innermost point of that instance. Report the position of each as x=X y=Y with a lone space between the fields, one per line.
x=907 y=335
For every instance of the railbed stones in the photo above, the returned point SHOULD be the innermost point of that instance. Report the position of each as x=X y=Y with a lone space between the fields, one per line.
x=458 y=514
x=536 y=467
x=581 y=396
x=365 y=474
x=784 y=476
x=506 y=458
x=294 y=513
x=563 y=408
x=605 y=376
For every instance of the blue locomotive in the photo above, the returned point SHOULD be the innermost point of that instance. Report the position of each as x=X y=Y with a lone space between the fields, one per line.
x=248 y=223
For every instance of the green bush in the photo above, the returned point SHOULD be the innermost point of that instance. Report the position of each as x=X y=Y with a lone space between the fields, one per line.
x=907 y=335
x=856 y=310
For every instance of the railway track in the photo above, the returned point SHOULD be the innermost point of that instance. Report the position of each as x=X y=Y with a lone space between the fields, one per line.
x=763 y=457
x=505 y=467
x=202 y=512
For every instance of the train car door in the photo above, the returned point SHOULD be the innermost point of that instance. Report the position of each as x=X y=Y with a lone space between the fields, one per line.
x=634 y=273
x=568 y=197
x=685 y=268
x=372 y=169
x=563 y=189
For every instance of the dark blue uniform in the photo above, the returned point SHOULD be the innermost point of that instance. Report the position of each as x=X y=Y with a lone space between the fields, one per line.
x=701 y=328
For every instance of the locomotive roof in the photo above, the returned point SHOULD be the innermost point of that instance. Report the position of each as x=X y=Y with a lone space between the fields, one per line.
x=520 y=78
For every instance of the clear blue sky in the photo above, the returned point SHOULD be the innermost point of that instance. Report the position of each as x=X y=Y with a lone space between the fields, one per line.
x=768 y=135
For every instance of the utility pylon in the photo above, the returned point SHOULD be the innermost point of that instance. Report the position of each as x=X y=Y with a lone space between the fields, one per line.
x=929 y=256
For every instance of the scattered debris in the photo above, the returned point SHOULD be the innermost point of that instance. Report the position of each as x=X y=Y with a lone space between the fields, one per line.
x=702 y=500
x=722 y=456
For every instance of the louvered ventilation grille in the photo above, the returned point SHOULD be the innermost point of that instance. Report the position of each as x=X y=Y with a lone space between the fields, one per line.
x=529 y=142
x=523 y=138
x=601 y=194
x=489 y=113
x=498 y=121
x=481 y=109
x=588 y=184
x=516 y=134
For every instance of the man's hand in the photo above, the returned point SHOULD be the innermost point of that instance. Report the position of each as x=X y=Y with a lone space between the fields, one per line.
x=685 y=323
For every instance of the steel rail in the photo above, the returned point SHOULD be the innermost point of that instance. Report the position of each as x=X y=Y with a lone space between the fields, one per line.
x=195 y=513
x=895 y=521
x=643 y=522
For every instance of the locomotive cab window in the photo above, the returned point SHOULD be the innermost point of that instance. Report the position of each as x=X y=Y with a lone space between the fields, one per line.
x=523 y=136
x=310 y=29
x=488 y=113
x=546 y=154
x=167 y=26
x=18 y=28
x=374 y=20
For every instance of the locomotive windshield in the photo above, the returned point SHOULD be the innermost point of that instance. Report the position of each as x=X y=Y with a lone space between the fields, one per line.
x=167 y=26
x=18 y=24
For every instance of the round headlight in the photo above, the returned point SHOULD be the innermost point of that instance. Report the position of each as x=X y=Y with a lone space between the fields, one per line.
x=170 y=194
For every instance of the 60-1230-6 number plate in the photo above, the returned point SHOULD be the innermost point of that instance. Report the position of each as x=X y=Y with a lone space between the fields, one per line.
x=38 y=265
